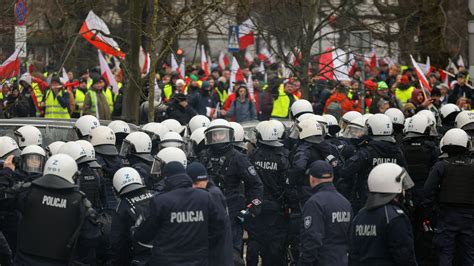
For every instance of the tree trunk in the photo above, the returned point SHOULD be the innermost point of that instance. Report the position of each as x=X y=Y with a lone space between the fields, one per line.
x=133 y=89
x=153 y=58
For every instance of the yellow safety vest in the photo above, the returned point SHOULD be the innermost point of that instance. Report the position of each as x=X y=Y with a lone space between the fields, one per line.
x=79 y=97
x=53 y=108
x=89 y=83
x=93 y=95
x=109 y=95
x=168 y=91
x=404 y=95
x=38 y=93
x=222 y=96
x=281 y=105
x=1 y=95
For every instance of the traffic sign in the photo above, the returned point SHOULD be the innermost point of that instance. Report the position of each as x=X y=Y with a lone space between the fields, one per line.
x=233 y=40
x=20 y=33
x=21 y=12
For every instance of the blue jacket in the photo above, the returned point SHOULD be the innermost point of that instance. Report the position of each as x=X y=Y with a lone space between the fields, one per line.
x=181 y=223
x=326 y=223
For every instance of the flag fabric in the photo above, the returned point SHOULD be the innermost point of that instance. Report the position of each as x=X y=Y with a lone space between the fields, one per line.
x=223 y=61
x=11 y=67
x=246 y=37
x=175 y=66
x=460 y=61
x=265 y=55
x=419 y=73
x=425 y=68
x=248 y=57
x=182 y=68
x=64 y=78
x=96 y=32
x=285 y=72
x=144 y=61
x=235 y=74
x=453 y=66
x=204 y=62
x=261 y=68
x=250 y=87
x=371 y=59
x=107 y=73
x=333 y=66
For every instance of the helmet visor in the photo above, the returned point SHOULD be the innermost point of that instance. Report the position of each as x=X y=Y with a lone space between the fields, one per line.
x=219 y=135
x=354 y=132
x=126 y=148
x=32 y=163
x=157 y=166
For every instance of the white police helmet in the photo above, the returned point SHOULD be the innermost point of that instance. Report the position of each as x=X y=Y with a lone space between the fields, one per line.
x=280 y=128
x=119 y=127
x=367 y=115
x=314 y=117
x=53 y=148
x=33 y=158
x=28 y=135
x=85 y=124
x=355 y=129
x=166 y=155
x=465 y=120
x=198 y=136
x=103 y=140
x=74 y=150
x=196 y=122
x=417 y=125
x=62 y=166
x=239 y=133
x=380 y=126
x=332 y=124
x=348 y=117
x=172 y=139
x=455 y=138
x=137 y=143
x=174 y=126
x=8 y=146
x=311 y=131
x=90 y=153
x=127 y=179
x=449 y=109
x=385 y=182
x=155 y=130
x=431 y=117
x=267 y=134
x=300 y=107
x=396 y=115
x=219 y=132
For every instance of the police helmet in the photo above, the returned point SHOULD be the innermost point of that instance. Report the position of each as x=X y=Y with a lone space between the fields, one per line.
x=367 y=115
x=127 y=179
x=103 y=140
x=455 y=140
x=385 y=182
x=33 y=158
x=281 y=129
x=172 y=139
x=431 y=117
x=300 y=107
x=197 y=139
x=90 y=153
x=74 y=150
x=53 y=147
x=174 y=126
x=219 y=132
x=267 y=134
x=310 y=131
x=239 y=133
x=8 y=146
x=380 y=126
x=85 y=124
x=196 y=122
x=417 y=125
x=355 y=129
x=314 y=117
x=332 y=124
x=62 y=166
x=465 y=120
x=348 y=117
x=156 y=131
x=120 y=127
x=397 y=117
x=449 y=112
x=166 y=155
x=139 y=144
x=28 y=135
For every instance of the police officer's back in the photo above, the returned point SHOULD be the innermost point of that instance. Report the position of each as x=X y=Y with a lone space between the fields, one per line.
x=381 y=232
x=54 y=209
x=326 y=220
x=180 y=222
x=136 y=149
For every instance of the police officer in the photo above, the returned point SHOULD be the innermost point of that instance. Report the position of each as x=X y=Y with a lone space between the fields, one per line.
x=229 y=168
x=197 y=142
x=381 y=148
x=54 y=196
x=326 y=220
x=121 y=130
x=84 y=125
x=297 y=109
x=172 y=139
x=220 y=253
x=32 y=162
x=267 y=231
x=182 y=221
x=136 y=149
x=448 y=113
x=133 y=206
x=53 y=148
x=28 y=135
x=240 y=143
x=156 y=131
x=398 y=122
x=450 y=188
x=166 y=155
x=381 y=233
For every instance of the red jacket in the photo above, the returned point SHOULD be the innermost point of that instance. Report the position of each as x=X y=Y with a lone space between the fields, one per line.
x=346 y=104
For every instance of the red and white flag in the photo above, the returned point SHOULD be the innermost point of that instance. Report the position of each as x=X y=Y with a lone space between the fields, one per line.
x=107 y=73
x=235 y=74
x=453 y=66
x=175 y=66
x=333 y=66
x=265 y=55
x=425 y=67
x=11 y=67
x=204 y=62
x=371 y=60
x=95 y=31
x=246 y=37
x=248 y=57
x=182 y=68
x=144 y=61
x=223 y=61
x=419 y=73
x=64 y=78
x=460 y=61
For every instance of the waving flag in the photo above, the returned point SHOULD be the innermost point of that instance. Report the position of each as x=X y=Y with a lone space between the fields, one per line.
x=175 y=66
x=265 y=55
x=11 y=66
x=333 y=66
x=246 y=34
x=223 y=61
x=419 y=73
x=64 y=78
x=235 y=74
x=460 y=61
x=204 y=61
x=95 y=31
x=182 y=68
x=144 y=61
x=248 y=57
x=107 y=73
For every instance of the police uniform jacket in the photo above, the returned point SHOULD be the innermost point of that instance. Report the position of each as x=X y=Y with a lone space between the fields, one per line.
x=326 y=224
x=181 y=223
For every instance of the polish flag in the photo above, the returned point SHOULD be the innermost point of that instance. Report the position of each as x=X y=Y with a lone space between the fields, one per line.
x=182 y=68
x=64 y=78
x=250 y=87
x=144 y=61
x=246 y=37
x=265 y=55
x=371 y=59
x=11 y=67
x=95 y=31
x=419 y=73
x=223 y=61
x=248 y=57
x=107 y=73
x=175 y=66
x=425 y=67
x=235 y=74
x=453 y=66
x=460 y=61
x=332 y=65
x=204 y=62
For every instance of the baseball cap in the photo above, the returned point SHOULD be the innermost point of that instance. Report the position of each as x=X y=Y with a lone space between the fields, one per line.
x=321 y=169
x=197 y=172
